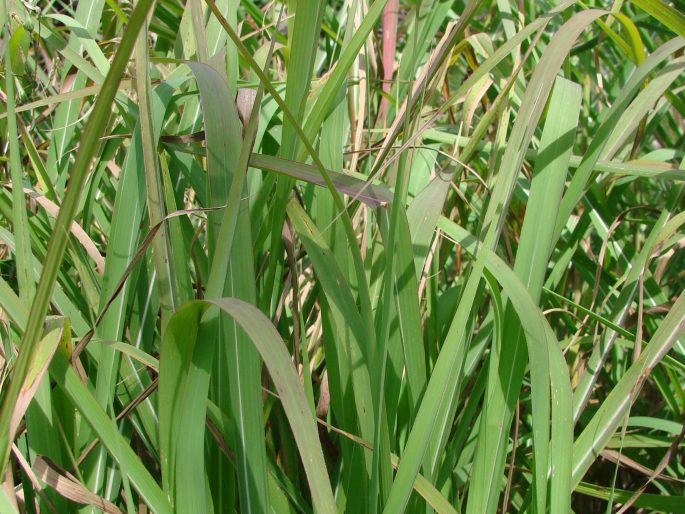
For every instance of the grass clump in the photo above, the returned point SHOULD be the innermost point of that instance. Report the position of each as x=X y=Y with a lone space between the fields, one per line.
x=355 y=256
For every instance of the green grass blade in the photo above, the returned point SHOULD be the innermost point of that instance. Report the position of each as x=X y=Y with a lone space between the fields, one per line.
x=651 y=502
x=182 y=383
x=620 y=312
x=531 y=264
x=432 y=496
x=423 y=213
x=542 y=345
x=666 y=14
x=609 y=122
x=345 y=311
x=610 y=414
x=89 y=142
x=326 y=98
x=79 y=395
x=85 y=41
x=489 y=461
x=22 y=230
x=236 y=385
x=169 y=299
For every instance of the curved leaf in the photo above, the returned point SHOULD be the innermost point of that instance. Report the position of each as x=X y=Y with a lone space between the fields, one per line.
x=183 y=387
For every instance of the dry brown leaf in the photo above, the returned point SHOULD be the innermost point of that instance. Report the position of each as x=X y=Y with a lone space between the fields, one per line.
x=69 y=487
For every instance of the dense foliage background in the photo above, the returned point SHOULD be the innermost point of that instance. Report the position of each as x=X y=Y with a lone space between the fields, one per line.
x=353 y=256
